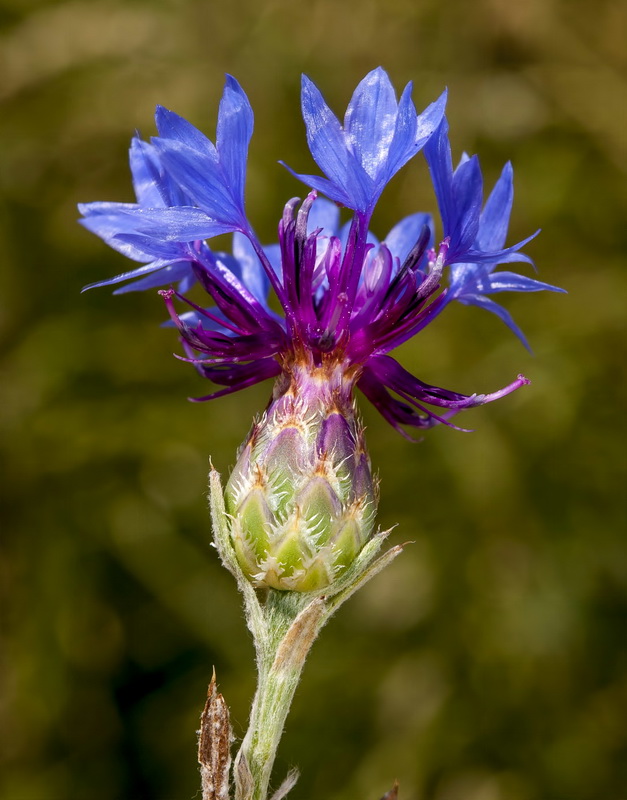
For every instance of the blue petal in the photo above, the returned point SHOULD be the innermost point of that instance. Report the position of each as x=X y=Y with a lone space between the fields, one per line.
x=166 y=276
x=146 y=248
x=147 y=180
x=513 y=282
x=474 y=277
x=183 y=224
x=324 y=133
x=234 y=130
x=370 y=121
x=251 y=272
x=180 y=224
x=506 y=256
x=496 y=213
x=511 y=255
x=109 y=226
x=104 y=208
x=203 y=180
x=329 y=148
x=324 y=216
x=332 y=190
x=404 y=143
x=126 y=276
x=274 y=256
x=186 y=282
x=430 y=119
x=142 y=233
x=495 y=308
x=379 y=136
x=467 y=198
x=438 y=155
x=172 y=126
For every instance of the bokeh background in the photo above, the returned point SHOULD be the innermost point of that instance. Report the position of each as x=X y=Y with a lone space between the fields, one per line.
x=489 y=662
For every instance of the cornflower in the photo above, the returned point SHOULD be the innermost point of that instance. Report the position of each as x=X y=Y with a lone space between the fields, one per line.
x=301 y=501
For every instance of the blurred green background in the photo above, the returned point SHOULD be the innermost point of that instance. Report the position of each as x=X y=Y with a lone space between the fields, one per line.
x=489 y=662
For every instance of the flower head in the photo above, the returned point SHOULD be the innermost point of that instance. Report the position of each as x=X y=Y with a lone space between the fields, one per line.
x=347 y=298
x=301 y=496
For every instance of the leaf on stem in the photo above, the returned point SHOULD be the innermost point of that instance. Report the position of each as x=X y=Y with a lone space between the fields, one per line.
x=222 y=541
x=244 y=784
x=287 y=785
x=363 y=570
x=300 y=636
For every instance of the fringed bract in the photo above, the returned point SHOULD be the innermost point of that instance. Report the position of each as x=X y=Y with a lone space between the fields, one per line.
x=301 y=497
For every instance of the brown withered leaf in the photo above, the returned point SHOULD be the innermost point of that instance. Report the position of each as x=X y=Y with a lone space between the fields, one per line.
x=214 y=745
x=392 y=794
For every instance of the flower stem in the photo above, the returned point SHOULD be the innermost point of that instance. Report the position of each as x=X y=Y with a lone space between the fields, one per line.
x=284 y=625
x=291 y=631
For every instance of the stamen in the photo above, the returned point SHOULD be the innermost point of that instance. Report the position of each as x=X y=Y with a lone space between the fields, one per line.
x=432 y=281
x=300 y=238
x=167 y=295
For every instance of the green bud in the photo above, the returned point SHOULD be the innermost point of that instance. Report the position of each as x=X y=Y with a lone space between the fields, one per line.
x=301 y=498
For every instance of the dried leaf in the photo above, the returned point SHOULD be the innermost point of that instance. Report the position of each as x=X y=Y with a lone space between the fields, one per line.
x=214 y=745
x=392 y=794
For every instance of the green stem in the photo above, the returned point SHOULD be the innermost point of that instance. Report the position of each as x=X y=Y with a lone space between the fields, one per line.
x=284 y=628
x=292 y=626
